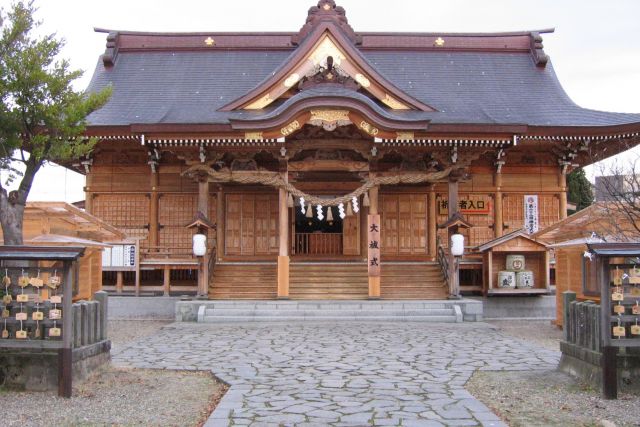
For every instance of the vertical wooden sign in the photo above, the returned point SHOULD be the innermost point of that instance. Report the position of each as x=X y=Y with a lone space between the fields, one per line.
x=373 y=244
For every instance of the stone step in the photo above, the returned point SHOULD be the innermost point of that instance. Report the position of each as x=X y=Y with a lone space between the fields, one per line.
x=325 y=313
x=231 y=319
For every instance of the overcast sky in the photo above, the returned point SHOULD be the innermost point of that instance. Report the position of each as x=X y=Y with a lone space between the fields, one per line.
x=595 y=49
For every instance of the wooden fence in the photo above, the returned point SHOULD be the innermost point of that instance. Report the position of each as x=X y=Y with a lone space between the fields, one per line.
x=581 y=322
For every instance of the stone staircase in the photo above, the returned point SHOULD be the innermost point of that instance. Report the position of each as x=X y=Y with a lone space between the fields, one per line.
x=289 y=311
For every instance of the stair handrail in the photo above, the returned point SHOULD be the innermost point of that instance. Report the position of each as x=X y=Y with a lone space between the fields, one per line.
x=213 y=255
x=443 y=261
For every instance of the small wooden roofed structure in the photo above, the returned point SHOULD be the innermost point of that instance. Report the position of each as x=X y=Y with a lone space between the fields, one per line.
x=569 y=239
x=518 y=242
x=61 y=224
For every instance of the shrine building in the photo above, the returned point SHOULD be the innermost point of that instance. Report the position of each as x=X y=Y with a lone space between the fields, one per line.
x=328 y=163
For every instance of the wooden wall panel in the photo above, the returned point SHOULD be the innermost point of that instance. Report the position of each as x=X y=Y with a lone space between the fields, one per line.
x=548 y=210
x=232 y=224
x=404 y=224
x=351 y=235
x=128 y=212
x=513 y=212
x=389 y=220
x=251 y=224
x=175 y=212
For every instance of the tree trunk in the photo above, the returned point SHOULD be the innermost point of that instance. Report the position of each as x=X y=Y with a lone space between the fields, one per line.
x=11 y=219
x=12 y=205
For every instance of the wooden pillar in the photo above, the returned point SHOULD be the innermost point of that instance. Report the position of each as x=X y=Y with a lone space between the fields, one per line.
x=283 y=241
x=374 y=281
x=154 y=203
x=220 y=223
x=562 y=183
x=453 y=197
x=166 y=281
x=432 y=223
x=497 y=206
x=88 y=194
x=203 y=196
x=119 y=281
x=137 y=277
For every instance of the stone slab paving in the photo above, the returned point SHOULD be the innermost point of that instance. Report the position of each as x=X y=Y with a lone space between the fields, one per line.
x=341 y=374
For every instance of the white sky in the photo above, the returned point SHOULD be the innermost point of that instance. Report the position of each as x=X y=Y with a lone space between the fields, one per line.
x=595 y=49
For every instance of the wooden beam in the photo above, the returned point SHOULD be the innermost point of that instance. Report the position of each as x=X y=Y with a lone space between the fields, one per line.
x=154 y=202
x=562 y=182
x=203 y=197
x=166 y=281
x=283 y=242
x=497 y=206
x=453 y=197
x=374 y=281
x=88 y=195
x=432 y=223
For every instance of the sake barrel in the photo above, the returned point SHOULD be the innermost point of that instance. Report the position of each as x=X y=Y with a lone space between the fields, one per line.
x=506 y=279
x=515 y=262
x=524 y=279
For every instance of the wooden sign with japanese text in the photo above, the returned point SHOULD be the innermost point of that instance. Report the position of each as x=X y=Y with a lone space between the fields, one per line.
x=373 y=245
x=469 y=206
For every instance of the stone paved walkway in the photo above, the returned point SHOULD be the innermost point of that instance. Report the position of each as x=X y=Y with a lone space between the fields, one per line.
x=341 y=374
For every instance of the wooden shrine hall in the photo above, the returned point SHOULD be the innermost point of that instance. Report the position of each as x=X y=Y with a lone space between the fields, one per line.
x=330 y=163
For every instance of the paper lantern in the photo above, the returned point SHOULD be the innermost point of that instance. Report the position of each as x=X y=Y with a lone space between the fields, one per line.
x=199 y=244
x=457 y=244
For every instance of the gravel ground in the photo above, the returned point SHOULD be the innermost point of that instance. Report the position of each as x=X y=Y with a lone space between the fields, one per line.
x=548 y=398
x=117 y=396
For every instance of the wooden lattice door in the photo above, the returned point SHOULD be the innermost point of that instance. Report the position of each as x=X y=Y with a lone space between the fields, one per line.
x=176 y=211
x=128 y=212
x=251 y=224
x=404 y=224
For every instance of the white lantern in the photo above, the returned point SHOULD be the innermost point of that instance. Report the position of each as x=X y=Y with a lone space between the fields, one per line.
x=457 y=244
x=199 y=244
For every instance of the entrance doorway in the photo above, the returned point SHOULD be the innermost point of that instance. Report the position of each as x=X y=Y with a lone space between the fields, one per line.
x=318 y=237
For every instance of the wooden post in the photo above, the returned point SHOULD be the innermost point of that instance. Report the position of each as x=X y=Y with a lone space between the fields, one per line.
x=567 y=298
x=454 y=279
x=562 y=183
x=220 y=223
x=166 y=280
x=432 y=223
x=283 y=241
x=203 y=196
x=137 y=282
x=497 y=206
x=88 y=194
x=119 y=281
x=374 y=281
x=609 y=364
x=453 y=197
x=65 y=353
x=153 y=211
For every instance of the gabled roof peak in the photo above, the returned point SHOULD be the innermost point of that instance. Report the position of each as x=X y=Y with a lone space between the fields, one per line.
x=326 y=11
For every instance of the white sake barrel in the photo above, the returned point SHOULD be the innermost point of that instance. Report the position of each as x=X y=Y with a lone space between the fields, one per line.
x=524 y=279
x=515 y=262
x=506 y=279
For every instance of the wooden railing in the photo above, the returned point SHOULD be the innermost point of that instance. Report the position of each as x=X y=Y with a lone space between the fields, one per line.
x=317 y=244
x=443 y=260
x=156 y=252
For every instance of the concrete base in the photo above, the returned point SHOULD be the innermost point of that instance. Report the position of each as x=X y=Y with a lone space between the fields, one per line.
x=35 y=370
x=584 y=364
x=361 y=310
x=142 y=308
x=523 y=307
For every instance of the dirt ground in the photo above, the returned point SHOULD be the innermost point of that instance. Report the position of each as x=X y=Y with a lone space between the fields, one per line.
x=115 y=396
x=549 y=398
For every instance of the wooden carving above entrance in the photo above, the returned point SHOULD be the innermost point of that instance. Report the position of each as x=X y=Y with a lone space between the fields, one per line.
x=326 y=55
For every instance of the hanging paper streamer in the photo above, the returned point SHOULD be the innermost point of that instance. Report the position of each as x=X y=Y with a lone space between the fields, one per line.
x=356 y=208
x=302 y=205
x=365 y=199
x=290 y=201
x=329 y=214
x=341 y=213
x=349 y=210
x=310 y=211
x=320 y=214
